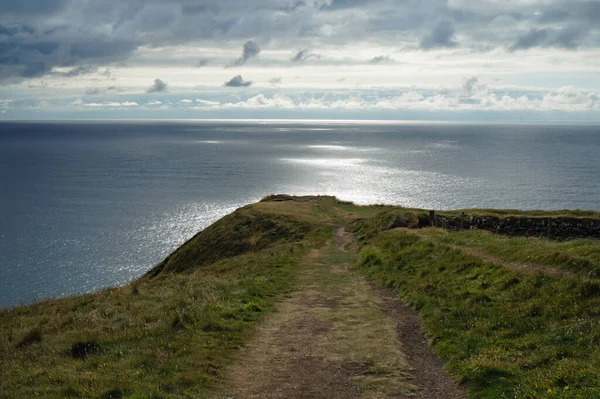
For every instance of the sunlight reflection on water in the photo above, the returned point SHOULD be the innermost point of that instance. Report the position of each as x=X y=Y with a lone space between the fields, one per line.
x=100 y=204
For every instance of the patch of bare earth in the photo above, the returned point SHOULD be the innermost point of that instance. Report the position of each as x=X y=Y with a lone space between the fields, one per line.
x=290 y=356
x=343 y=238
x=428 y=369
x=337 y=337
x=288 y=359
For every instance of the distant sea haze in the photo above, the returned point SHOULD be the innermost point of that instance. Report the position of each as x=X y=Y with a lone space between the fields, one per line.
x=89 y=205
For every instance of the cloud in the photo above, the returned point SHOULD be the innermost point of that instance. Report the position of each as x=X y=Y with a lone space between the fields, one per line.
x=186 y=101
x=32 y=7
x=77 y=71
x=262 y=101
x=470 y=85
x=202 y=62
x=552 y=15
x=38 y=36
x=111 y=104
x=22 y=57
x=238 y=81
x=275 y=81
x=566 y=99
x=533 y=38
x=304 y=55
x=249 y=51
x=207 y=103
x=158 y=87
x=381 y=59
x=440 y=36
x=93 y=91
x=567 y=38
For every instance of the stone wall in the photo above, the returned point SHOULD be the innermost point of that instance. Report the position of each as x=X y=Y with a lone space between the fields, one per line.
x=558 y=227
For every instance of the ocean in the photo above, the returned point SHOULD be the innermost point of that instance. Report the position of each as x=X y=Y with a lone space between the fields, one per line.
x=86 y=205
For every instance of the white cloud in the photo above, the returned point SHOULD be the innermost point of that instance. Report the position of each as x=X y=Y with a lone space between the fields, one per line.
x=111 y=104
x=207 y=103
x=61 y=54
x=262 y=101
x=565 y=99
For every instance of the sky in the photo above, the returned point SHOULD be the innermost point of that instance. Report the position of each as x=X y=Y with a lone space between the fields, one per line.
x=465 y=60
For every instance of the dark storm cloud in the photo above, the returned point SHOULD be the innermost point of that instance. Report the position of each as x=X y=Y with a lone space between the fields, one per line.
x=238 y=81
x=440 y=36
x=553 y=15
x=535 y=37
x=37 y=36
x=470 y=85
x=21 y=7
x=78 y=71
x=304 y=55
x=8 y=31
x=591 y=11
x=199 y=9
x=567 y=38
x=158 y=86
x=381 y=59
x=341 y=4
x=101 y=50
x=249 y=50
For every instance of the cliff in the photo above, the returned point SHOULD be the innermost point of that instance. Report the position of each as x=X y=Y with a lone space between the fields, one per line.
x=512 y=315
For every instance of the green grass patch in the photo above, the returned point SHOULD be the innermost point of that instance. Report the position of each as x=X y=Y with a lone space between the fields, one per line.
x=169 y=334
x=581 y=256
x=504 y=334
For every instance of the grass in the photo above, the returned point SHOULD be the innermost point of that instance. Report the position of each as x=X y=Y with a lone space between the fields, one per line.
x=167 y=335
x=332 y=322
x=503 y=334
x=580 y=256
x=172 y=333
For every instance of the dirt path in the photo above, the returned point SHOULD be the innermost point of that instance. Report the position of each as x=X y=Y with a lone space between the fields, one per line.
x=428 y=369
x=337 y=337
x=343 y=239
x=526 y=268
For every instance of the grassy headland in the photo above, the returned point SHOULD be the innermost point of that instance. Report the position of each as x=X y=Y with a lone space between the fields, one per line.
x=510 y=316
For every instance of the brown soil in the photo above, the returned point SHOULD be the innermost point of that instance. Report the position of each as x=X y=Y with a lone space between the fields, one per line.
x=429 y=373
x=289 y=357
x=288 y=361
x=317 y=344
x=343 y=239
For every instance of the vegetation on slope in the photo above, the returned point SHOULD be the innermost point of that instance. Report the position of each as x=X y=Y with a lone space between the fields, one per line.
x=579 y=256
x=169 y=334
x=503 y=333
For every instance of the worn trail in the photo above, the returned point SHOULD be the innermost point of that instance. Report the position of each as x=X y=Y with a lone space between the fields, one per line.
x=336 y=336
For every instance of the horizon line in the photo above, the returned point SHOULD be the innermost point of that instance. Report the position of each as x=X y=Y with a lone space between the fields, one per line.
x=306 y=120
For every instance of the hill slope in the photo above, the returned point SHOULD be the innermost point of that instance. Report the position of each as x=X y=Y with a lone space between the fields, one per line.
x=510 y=316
